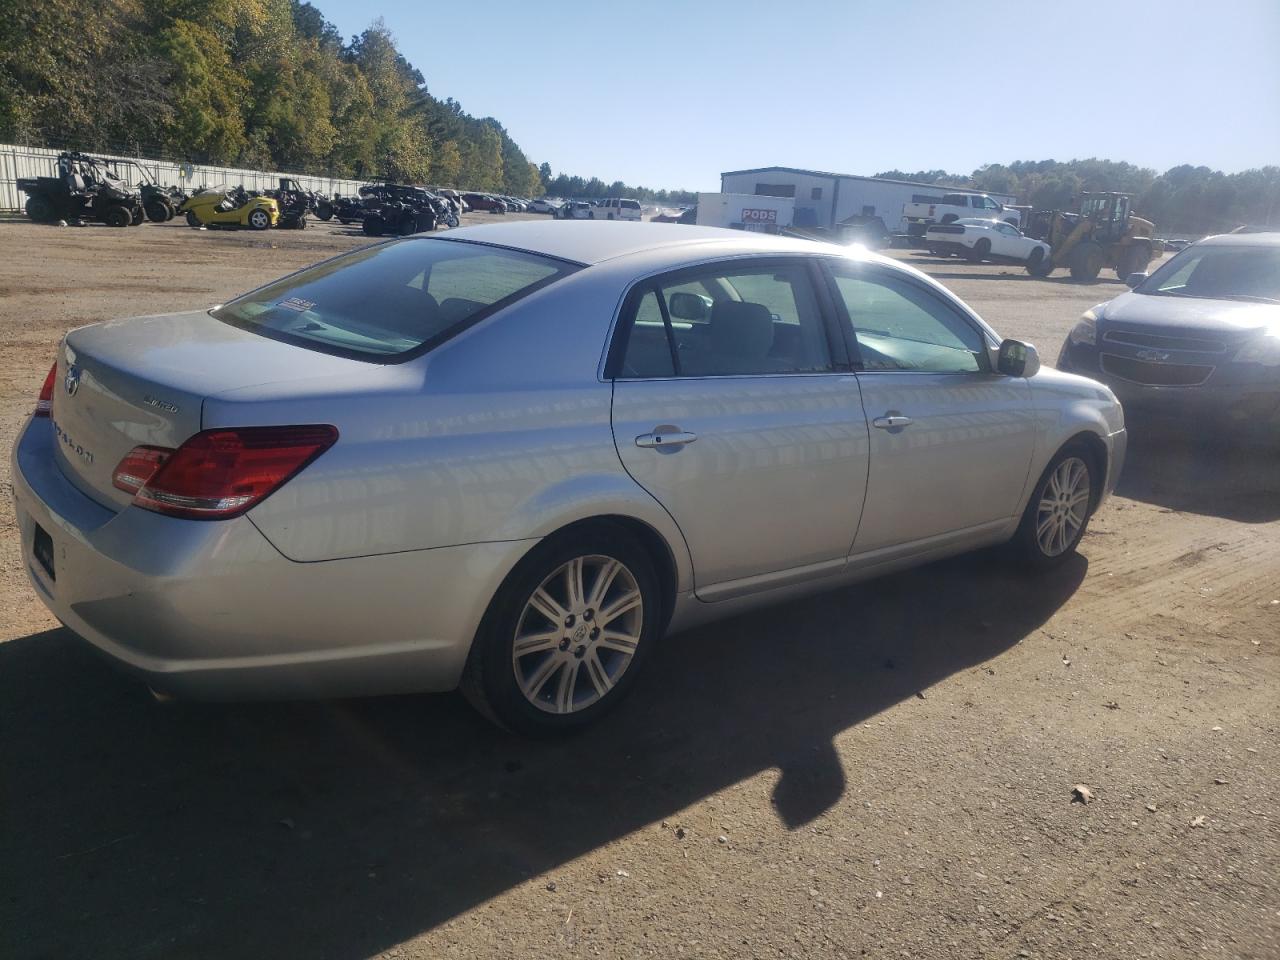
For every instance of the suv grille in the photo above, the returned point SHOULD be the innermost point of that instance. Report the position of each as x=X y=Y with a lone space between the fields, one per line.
x=1156 y=374
x=1191 y=344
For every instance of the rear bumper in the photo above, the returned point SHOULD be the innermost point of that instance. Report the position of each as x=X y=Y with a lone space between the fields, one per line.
x=211 y=610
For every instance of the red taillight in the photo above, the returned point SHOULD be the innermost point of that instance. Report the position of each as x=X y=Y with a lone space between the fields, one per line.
x=221 y=473
x=44 y=402
x=138 y=466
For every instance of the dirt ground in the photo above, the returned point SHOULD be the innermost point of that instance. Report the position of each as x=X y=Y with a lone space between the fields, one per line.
x=882 y=771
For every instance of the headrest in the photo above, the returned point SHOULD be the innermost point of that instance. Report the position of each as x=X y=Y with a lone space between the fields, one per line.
x=741 y=329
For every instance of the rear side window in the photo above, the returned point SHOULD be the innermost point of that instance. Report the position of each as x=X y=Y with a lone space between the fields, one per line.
x=393 y=300
x=726 y=320
x=631 y=204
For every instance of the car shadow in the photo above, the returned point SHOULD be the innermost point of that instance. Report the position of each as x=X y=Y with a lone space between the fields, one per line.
x=341 y=829
x=1197 y=470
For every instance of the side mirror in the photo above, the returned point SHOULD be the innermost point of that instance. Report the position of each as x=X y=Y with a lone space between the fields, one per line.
x=1134 y=280
x=688 y=306
x=1017 y=359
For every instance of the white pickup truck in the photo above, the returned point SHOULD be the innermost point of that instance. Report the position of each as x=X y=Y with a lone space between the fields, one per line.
x=953 y=206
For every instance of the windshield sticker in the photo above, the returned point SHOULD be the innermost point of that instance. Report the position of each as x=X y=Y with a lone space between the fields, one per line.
x=296 y=303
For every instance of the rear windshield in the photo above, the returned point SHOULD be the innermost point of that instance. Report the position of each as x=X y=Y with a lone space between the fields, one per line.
x=392 y=300
x=1220 y=272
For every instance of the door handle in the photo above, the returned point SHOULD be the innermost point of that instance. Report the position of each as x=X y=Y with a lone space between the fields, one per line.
x=891 y=421
x=674 y=439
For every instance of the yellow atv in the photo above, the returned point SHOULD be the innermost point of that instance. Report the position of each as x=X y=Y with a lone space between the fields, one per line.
x=220 y=207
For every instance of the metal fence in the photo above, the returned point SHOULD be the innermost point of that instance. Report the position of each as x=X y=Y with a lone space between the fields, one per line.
x=19 y=161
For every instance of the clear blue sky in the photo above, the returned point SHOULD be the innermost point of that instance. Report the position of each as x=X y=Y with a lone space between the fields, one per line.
x=668 y=94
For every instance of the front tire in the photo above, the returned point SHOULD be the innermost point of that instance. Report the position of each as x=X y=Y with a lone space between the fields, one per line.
x=117 y=215
x=193 y=221
x=157 y=211
x=566 y=634
x=1060 y=507
x=1086 y=262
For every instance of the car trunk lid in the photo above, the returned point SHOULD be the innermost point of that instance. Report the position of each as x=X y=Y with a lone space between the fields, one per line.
x=127 y=383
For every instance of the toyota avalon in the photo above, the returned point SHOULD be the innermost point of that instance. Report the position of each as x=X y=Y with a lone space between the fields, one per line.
x=512 y=457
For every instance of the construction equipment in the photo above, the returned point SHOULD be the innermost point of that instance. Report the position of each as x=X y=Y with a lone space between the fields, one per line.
x=1101 y=233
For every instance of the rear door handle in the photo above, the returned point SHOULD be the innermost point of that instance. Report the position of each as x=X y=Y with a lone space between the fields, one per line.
x=889 y=422
x=673 y=439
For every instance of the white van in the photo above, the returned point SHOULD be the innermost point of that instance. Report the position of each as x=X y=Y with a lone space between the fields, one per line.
x=616 y=208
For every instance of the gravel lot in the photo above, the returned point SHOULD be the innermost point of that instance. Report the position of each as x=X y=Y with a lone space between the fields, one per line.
x=882 y=771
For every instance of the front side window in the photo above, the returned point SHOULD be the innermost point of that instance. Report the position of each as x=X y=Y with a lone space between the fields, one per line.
x=900 y=326
x=390 y=300
x=727 y=320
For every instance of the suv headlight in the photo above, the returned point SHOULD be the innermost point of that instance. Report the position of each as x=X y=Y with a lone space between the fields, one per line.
x=1264 y=350
x=1085 y=332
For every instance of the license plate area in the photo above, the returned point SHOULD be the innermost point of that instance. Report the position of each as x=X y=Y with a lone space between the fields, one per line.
x=42 y=550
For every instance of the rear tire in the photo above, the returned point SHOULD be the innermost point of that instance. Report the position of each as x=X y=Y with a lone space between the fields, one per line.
x=981 y=250
x=259 y=220
x=139 y=216
x=574 y=668
x=1133 y=260
x=193 y=221
x=1060 y=507
x=40 y=210
x=157 y=211
x=117 y=216
x=324 y=211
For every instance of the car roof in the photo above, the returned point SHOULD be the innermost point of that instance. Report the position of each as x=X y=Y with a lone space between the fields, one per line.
x=1242 y=240
x=588 y=242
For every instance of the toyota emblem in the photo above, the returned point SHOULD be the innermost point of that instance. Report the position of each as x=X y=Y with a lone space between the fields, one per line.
x=71 y=382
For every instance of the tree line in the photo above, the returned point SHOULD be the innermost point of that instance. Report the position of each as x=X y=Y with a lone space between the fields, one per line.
x=1182 y=200
x=265 y=84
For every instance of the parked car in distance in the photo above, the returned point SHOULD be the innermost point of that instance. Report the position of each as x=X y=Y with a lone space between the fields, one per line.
x=616 y=208
x=484 y=201
x=979 y=240
x=1197 y=342
x=865 y=229
x=511 y=457
x=544 y=205
x=574 y=210
x=953 y=206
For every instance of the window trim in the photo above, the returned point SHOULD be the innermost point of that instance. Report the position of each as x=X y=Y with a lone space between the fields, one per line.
x=876 y=271
x=620 y=335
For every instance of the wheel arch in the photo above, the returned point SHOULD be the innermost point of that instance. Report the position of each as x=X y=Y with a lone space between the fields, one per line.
x=1092 y=442
x=650 y=540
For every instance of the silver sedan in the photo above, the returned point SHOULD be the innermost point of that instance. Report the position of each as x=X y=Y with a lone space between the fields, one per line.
x=511 y=458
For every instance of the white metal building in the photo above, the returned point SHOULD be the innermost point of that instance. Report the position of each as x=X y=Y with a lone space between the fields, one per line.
x=826 y=199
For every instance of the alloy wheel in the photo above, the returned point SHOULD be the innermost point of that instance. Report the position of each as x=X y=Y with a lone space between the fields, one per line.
x=1063 y=507
x=577 y=634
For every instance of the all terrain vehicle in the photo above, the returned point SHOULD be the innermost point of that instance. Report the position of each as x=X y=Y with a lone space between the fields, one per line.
x=220 y=207
x=161 y=204
x=293 y=201
x=393 y=208
x=82 y=189
x=1102 y=233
